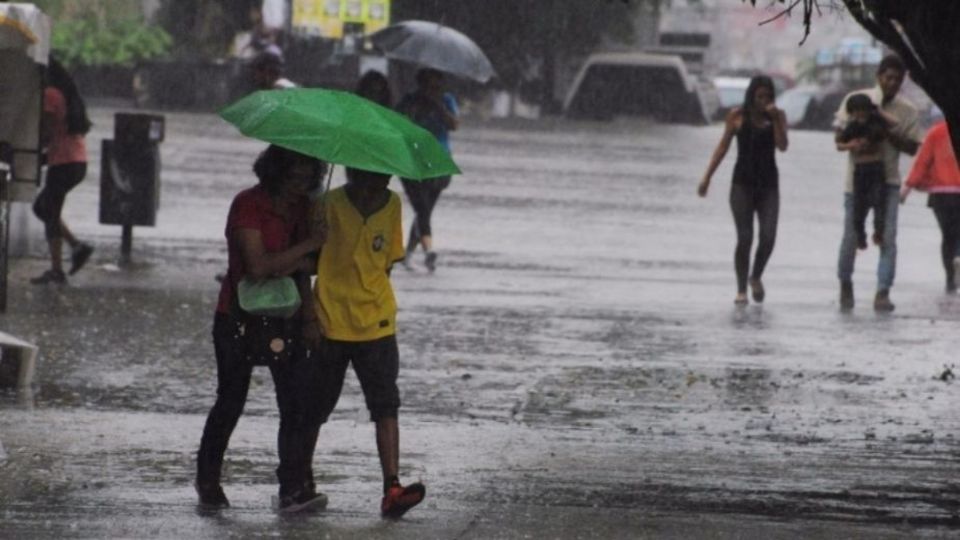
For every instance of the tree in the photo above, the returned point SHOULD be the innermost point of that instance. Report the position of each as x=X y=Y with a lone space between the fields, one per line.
x=523 y=37
x=204 y=28
x=102 y=32
x=924 y=34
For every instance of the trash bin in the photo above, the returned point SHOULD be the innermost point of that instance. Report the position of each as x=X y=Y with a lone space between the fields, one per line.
x=130 y=171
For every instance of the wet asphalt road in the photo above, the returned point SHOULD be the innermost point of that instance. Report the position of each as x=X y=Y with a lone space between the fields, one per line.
x=575 y=368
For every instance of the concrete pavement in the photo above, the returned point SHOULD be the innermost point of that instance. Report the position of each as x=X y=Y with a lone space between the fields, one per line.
x=575 y=368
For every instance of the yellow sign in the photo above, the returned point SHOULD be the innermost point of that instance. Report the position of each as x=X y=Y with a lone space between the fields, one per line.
x=326 y=18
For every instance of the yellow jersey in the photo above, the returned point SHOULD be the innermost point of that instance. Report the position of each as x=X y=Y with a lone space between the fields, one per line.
x=354 y=299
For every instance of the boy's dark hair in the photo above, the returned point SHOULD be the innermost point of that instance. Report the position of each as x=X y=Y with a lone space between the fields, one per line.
x=860 y=102
x=891 y=61
x=78 y=123
x=360 y=175
x=273 y=164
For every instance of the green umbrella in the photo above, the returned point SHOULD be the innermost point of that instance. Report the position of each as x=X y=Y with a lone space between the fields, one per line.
x=343 y=128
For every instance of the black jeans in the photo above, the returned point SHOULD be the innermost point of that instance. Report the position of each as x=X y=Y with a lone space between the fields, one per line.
x=745 y=201
x=423 y=195
x=946 y=208
x=234 y=369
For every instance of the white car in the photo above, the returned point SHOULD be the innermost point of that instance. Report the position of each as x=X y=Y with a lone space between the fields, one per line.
x=730 y=90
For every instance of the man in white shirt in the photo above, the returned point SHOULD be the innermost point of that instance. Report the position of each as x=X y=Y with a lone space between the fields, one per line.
x=904 y=136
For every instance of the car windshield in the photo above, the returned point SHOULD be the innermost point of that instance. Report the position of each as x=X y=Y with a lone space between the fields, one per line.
x=730 y=97
x=794 y=103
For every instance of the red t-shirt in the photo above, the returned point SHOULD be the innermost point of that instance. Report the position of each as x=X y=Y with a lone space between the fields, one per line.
x=935 y=168
x=253 y=209
x=64 y=147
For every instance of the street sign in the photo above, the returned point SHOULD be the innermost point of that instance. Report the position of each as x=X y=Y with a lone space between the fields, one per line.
x=329 y=18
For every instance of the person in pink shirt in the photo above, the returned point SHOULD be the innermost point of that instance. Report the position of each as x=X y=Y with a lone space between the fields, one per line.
x=935 y=171
x=64 y=125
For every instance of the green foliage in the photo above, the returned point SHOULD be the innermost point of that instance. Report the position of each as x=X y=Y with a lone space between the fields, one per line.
x=204 y=28
x=87 y=41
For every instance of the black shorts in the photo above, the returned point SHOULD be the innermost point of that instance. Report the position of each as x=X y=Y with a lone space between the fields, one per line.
x=376 y=364
x=49 y=202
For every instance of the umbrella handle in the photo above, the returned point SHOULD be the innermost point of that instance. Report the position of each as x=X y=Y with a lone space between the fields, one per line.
x=326 y=185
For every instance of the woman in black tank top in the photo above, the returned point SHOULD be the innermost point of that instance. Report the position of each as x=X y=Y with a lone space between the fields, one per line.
x=760 y=128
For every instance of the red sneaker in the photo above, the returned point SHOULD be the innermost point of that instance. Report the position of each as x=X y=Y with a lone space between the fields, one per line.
x=399 y=499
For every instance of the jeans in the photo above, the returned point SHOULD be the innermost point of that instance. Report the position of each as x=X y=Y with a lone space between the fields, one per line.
x=887 y=266
x=294 y=445
x=745 y=202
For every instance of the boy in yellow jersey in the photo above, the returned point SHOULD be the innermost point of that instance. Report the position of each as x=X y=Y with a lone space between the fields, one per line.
x=356 y=311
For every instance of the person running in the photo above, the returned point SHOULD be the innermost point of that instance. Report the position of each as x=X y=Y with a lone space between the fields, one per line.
x=760 y=128
x=267 y=236
x=903 y=136
x=64 y=125
x=357 y=312
x=436 y=111
x=936 y=171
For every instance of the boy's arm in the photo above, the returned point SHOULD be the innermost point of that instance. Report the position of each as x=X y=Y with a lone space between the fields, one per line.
x=847 y=144
x=396 y=252
x=845 y=134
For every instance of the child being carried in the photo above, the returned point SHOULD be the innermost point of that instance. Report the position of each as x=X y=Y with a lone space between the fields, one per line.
x=865 y=133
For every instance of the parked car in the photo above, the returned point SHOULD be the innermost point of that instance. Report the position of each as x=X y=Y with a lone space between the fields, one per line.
x=731 y=86
x=811 y=107
x=730 y=90
x=631 y=83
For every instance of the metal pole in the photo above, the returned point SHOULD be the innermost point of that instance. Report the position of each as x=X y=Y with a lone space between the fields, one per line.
x=126 y=243
x=4 y=236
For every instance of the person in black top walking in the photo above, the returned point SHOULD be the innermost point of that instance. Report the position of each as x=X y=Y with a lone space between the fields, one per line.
x=760 y=128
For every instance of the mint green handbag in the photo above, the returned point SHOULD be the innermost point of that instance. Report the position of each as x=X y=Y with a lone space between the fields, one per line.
x=270 y=297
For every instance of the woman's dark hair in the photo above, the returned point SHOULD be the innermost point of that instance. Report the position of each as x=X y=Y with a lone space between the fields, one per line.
x=274 y=164
x=78 y=122
x=375 y=87
x=749 y=97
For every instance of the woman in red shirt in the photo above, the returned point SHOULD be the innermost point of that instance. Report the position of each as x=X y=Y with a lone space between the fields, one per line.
x=267 y=236
x=65 y=123
x=935 y=171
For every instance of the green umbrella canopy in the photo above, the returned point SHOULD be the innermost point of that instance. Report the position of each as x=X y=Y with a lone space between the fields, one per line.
x=342 y=128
